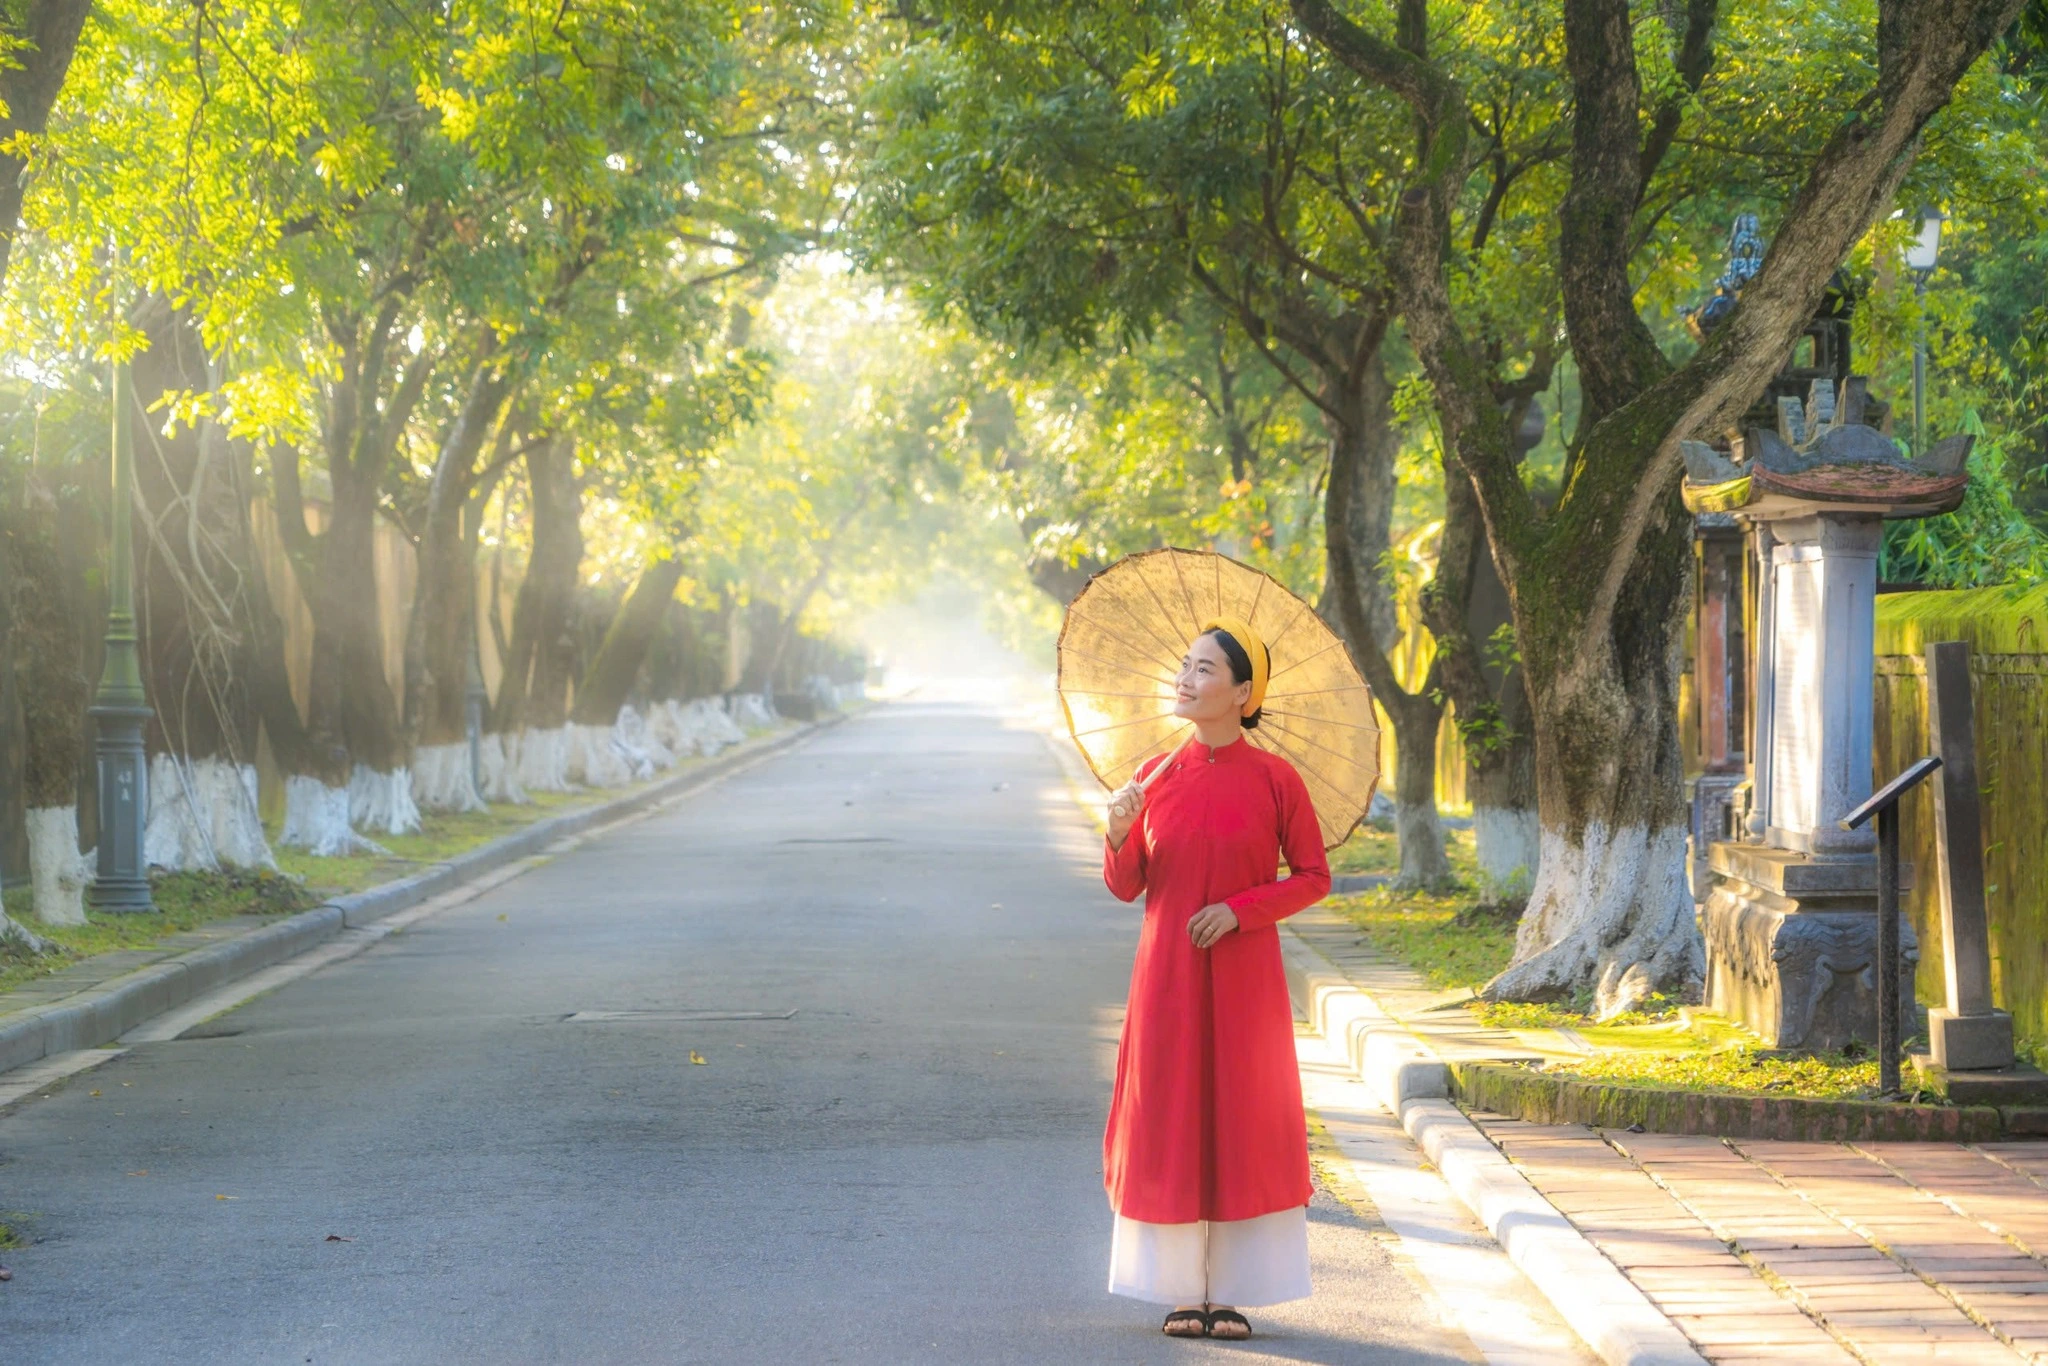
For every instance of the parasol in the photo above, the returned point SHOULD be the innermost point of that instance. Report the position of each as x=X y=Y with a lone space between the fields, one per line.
x=1121 y=646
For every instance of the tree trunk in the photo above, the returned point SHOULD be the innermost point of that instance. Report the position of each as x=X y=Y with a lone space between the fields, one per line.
x=350 y=709
x=1501 y=778
x=441 y=633
x=1464 y=607
x=1610 y=914
x=43 y=41
x=316 y=809
x=355 y=746
x=1358 y=511
x=540 y=660
x=46 y=609
x=593 y=757
x=786 y=629
x=194 y=560
x=542 y=608
x=610 y=676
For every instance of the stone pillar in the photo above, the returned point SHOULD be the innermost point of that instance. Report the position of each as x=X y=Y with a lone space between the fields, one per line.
x=1763 y=685
x=1824 y=589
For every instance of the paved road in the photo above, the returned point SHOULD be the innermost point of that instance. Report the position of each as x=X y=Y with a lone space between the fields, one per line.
x=906 y=1170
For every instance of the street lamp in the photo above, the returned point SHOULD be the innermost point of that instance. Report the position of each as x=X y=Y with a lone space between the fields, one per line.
x=120 y=707
x=1921 y=254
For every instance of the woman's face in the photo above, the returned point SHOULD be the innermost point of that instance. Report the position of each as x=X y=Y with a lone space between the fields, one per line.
x=1205 y=691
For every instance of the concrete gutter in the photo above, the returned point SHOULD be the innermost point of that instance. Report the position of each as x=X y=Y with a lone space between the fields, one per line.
x=101 y=1014
x=1602 y=1305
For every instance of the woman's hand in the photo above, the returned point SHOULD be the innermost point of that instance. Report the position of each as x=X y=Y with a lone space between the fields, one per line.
x=1210 y=924
x=1125 y=805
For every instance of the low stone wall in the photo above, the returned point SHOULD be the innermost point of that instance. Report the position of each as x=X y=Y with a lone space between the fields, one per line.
x=2007 y=631
x=1526 y=1094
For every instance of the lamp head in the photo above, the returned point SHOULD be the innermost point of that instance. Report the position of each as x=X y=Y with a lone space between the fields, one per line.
x=1923 y=250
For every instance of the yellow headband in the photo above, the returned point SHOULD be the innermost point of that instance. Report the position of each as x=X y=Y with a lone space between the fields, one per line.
x=1254 y=649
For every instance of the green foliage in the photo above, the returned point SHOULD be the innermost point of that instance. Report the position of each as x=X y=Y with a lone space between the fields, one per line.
x=1987 y=541
x=1653 y=1009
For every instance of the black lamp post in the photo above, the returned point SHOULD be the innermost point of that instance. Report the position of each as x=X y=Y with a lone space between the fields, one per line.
x=1921 y=255
x=120 y=707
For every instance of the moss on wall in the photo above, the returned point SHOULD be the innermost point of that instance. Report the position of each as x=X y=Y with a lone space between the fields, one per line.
x=2007 y=630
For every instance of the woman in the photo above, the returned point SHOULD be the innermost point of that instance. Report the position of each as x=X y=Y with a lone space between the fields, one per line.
x=1206 y=1158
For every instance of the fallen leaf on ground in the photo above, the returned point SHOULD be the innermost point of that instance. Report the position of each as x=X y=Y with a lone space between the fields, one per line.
x=227 y=1197
x=501 y=915
x=143 y=1172
x=337 y=1238
x=93 y=1093
x=699 y=1058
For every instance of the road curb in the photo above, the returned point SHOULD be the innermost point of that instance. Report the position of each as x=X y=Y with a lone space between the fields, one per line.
x=1601 y=1304
x=102 y=1014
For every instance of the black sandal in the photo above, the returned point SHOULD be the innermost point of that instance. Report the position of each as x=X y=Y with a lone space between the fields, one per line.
x=1220 y=1316
x=1180 y=1316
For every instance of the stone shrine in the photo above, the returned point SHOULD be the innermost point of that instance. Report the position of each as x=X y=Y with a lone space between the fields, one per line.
x=1790 y=899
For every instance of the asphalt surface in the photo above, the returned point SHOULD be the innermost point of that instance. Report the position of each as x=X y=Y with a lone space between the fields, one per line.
x=416 y=1156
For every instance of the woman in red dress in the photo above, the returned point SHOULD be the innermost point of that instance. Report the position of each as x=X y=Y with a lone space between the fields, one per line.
x=1206 y=1157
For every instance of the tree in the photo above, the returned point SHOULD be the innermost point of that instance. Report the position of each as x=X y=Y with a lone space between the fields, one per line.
x=1073 y=170
x=49 y=535
x=383 y=230
x=1597 y=583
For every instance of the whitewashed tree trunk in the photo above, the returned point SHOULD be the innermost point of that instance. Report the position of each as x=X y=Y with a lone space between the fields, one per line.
x=544 y=760
x=1509 y=841
x=441 y=780
x=316 y=819
x=382 y=802
x=638 y=745
x=203 y=814
x=19 y=937
x=1610 y=908
x=498 y=758
x=57 y=871
x=715 y=727
x=672 y=727
x=753 y=711
x=593 y=760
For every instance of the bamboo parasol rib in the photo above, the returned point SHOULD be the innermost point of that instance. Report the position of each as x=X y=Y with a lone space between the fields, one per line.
x=1318 y=712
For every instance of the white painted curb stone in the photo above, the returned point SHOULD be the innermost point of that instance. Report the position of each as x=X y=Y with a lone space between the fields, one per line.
x=1601 y=1304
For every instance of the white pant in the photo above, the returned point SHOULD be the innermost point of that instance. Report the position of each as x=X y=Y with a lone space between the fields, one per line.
x=1240 y=1262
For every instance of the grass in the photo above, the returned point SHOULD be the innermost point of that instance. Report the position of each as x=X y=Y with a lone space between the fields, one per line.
x=186 y=901
x=1744 y=1070
x=1578 y=1015
x=9 y=1239
x=1435 y=934
x=442 y=835
x=1374 y=850
x=1452 y=944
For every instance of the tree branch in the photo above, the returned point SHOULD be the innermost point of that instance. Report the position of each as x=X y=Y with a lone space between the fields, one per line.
x=1693 y=58
x=1612 y=346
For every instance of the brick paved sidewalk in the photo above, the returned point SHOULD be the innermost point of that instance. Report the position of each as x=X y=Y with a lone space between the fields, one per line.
x=1776 y=1252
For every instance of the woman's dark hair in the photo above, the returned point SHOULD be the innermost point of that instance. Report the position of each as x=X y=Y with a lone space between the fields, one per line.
x=1241 y=667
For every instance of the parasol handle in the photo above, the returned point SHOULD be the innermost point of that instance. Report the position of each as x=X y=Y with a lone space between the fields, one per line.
x=1145 y=783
